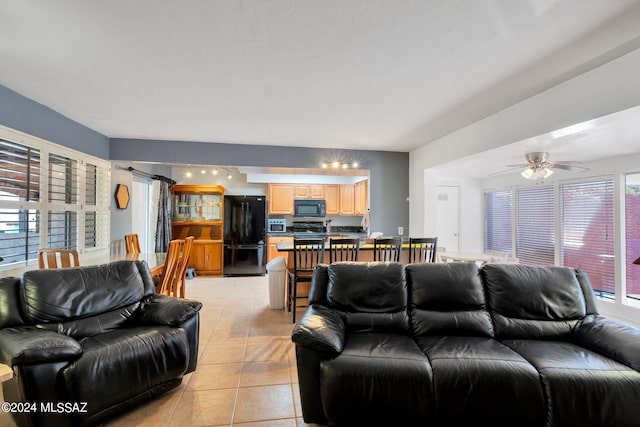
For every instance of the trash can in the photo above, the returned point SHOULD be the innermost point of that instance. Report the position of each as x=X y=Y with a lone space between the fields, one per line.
x=277 y=272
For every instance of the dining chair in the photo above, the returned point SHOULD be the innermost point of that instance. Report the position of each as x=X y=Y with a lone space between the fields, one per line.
x=343 y=249
x=165 y=284
x=132 y=243
x=58 y=258
x=307 y=253
x=423 y=249
x=181 y=272
x=387 y=249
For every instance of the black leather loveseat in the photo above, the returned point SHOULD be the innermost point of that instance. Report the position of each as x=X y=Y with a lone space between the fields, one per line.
x=86 y=343
x=454 y=345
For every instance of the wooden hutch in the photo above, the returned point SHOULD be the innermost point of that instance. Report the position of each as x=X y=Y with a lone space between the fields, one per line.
x=198 y=211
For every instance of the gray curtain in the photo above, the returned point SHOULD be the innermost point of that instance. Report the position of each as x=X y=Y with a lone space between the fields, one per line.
x=163 y=228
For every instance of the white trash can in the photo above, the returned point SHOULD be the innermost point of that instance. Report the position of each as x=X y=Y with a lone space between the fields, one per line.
x=277 y=273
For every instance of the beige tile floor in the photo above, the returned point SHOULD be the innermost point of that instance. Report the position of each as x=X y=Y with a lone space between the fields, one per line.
x=246 y=373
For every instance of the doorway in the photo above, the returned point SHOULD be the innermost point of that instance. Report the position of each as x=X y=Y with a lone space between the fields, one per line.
x=448 y=218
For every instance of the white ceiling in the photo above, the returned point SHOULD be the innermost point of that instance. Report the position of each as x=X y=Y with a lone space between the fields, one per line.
x=613 y=135
x=375 y=74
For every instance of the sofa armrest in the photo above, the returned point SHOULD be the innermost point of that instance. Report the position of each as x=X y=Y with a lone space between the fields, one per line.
x=616 y=340
x=29 y=346
x=159 y=309
x=320 y=329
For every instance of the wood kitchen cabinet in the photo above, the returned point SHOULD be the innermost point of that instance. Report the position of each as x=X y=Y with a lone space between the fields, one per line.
x=272 y=250
x=207 y=257
x=198 y=211
x=347 y=202
x=360 y=197
x=280 y=199
x=308 y=191
x=332 y=198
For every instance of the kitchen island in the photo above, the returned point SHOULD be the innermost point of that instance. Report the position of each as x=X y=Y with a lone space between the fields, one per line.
x=366 y=251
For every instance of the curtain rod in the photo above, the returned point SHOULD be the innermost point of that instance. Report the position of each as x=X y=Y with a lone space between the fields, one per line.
x=152 y=176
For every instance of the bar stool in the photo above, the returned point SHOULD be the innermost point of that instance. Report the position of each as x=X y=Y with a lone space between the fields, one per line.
x=307 y=253
x=387 y=249
x=423 y=249
x=343 y=249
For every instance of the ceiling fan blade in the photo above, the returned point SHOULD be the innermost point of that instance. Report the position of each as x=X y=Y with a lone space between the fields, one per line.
x=506 y=171
x=568 y=167
x=523 y=165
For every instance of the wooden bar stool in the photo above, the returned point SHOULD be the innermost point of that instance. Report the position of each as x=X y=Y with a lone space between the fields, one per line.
x=58 y=258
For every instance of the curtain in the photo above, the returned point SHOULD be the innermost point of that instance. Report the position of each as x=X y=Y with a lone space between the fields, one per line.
x=163 y=228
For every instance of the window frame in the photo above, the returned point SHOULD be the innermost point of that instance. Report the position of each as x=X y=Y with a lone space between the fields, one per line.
x=43 y=206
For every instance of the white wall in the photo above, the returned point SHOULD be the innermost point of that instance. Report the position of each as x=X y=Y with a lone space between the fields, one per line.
x=604 y=90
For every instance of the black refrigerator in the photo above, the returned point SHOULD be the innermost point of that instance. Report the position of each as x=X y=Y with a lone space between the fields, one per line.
x=245 y=235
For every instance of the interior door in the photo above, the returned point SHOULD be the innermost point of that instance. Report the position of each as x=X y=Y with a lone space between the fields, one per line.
x=448 y=218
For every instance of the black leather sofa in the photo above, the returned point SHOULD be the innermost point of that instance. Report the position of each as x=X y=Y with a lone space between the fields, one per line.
x=86 y=343
x=454 y=345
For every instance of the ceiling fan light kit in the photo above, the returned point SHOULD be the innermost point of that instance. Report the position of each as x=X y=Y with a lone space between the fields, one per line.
x=536 y=173
x=538 y=166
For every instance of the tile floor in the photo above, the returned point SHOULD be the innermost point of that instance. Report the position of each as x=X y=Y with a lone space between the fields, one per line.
x=246 y=373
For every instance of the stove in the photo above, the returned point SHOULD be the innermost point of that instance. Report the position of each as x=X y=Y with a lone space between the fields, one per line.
x=308 y=229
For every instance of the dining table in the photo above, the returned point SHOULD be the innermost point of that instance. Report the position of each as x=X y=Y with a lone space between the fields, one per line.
x=155 y=260
x=476 y=257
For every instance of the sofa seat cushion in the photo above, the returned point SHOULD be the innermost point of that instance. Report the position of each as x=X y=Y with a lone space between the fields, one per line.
x=121 y=364
x=583 y=387
x=478 y=378
x=377 y=379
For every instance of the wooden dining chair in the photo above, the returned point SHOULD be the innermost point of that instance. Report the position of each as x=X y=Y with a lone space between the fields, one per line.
x=387 y=249
x=307 y=253
x=343 y=249
x=171 y=263
x=181 y=272
x=423 y=249
x=58 y=258
x=132 y=243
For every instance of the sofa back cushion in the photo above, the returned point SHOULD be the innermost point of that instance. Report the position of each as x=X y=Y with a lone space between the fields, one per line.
x=373 y=295
x=533 y=302
x=10 y=311
x=83 y=301
x=448 y=299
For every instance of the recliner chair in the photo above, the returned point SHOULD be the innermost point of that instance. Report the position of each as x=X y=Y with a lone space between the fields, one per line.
x=98 y=335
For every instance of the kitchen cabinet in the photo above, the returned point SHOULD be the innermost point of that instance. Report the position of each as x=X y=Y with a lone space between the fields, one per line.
x=341 y=199
x=198 y=211
x=360 y=197
x=206 y=257
x=272 y=250
x=332 y=198
x=347 y=194
x=280 y=199
x=308 y=191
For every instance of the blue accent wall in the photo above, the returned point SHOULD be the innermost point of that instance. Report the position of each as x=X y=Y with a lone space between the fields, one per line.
x=23 y=114
x=388 y=170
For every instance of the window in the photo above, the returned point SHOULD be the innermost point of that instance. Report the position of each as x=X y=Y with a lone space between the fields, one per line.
x=632 y=234
x=498 y=207
x=46 y=187
x=587 y=232
x=535 y=235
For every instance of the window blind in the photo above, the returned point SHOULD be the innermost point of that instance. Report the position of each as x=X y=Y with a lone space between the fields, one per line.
x=587 y=231
x=535 y=233
x=632 y=233
x=498 y=222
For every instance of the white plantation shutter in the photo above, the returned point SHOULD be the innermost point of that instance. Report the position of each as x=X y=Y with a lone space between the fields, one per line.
x=498 y=224
x=535 y=233
x=587 y=231
x=19 y=201
x=50 y=196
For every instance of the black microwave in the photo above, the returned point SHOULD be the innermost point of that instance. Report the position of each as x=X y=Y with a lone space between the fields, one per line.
x=310 y=208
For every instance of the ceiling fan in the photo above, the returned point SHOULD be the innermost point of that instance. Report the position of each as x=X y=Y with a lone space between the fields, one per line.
x=538 y=166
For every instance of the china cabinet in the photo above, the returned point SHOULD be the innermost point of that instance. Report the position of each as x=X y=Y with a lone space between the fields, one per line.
x=198 y=211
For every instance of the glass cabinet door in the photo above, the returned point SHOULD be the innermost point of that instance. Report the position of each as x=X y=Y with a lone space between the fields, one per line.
x=197 y=207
